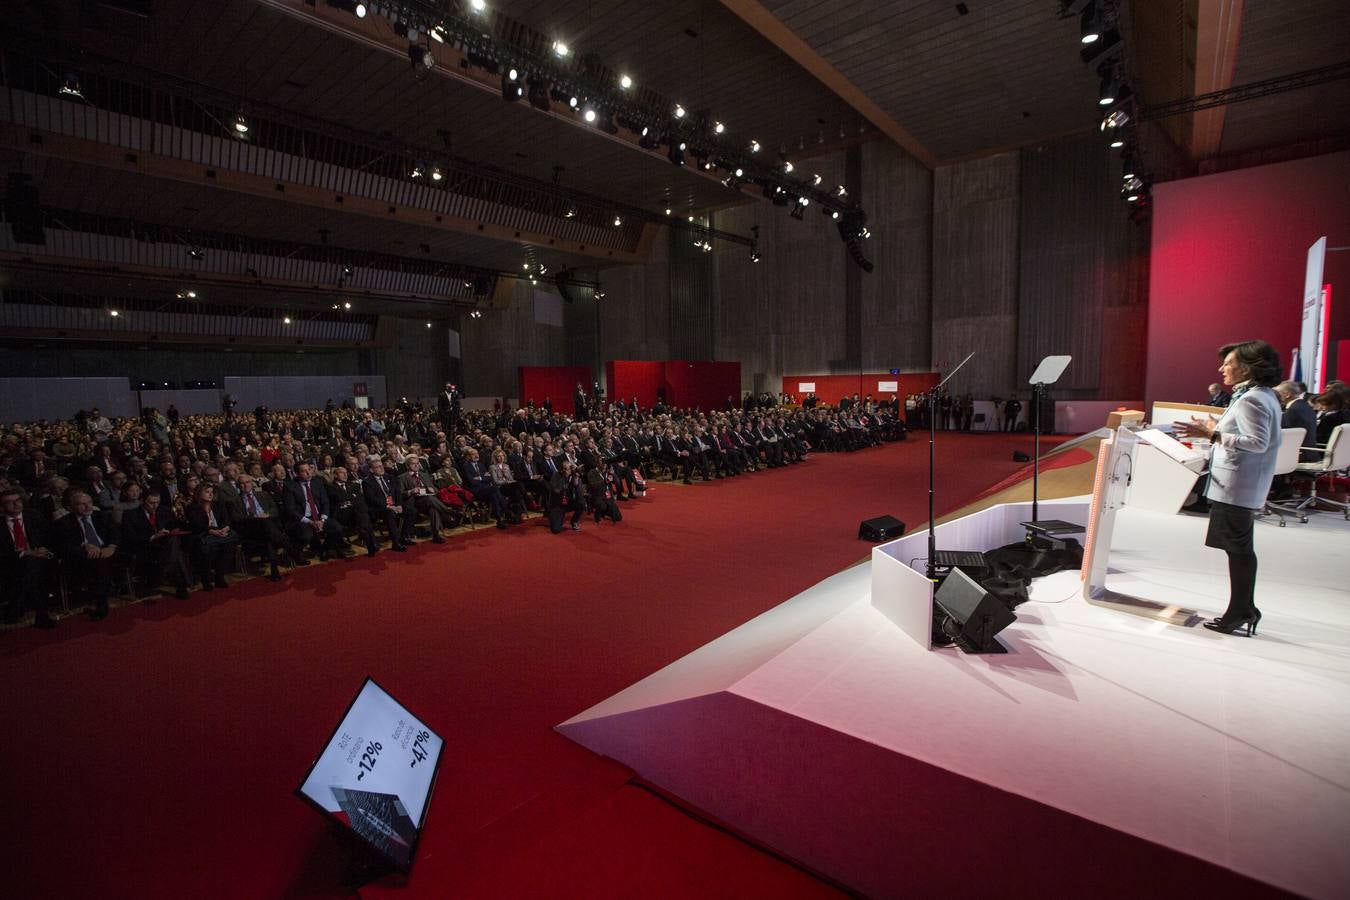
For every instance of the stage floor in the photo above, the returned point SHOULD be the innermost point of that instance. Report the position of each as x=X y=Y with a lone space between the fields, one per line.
x=1225 y=748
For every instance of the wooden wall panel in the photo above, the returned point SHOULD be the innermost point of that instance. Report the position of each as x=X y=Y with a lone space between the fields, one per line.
x=975 y=250
x=897 y=192
x=502 y=340
x=786 y=313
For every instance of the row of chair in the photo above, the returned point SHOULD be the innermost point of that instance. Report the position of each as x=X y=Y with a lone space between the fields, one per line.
x=1332 y=458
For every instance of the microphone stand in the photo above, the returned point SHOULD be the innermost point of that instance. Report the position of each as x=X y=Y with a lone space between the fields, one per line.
x=932 y=442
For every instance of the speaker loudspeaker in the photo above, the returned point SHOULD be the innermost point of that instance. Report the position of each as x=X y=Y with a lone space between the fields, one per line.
x=882 y=528
x=974 y=615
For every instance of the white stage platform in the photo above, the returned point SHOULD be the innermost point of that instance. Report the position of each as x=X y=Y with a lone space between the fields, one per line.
x=822 y=730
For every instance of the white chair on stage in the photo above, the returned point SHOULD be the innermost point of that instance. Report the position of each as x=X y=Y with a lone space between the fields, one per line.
x=1335 y=458
x=1286 y=461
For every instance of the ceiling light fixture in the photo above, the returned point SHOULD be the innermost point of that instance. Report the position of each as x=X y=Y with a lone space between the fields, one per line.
x=718 y=128
x=625 y=82
x=70 y=86
x=1090 y=25
x=561 y=49
x=679 y=111
x=754 y=146
x=241 y=125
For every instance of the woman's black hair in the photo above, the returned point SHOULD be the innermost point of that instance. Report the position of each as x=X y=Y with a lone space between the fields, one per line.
x=1261 y=361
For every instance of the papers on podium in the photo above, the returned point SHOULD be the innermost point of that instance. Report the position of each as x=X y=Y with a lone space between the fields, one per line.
x=1190 y=457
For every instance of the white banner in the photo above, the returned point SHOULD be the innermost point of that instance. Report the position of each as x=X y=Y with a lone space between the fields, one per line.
x=806 y=387
x=376 y=773
x=1312 y=345
x=888 y=387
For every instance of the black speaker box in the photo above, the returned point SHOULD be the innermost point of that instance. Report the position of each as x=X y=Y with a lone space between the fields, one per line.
x=1019 y=456
x=882 y=528
x=974 y=614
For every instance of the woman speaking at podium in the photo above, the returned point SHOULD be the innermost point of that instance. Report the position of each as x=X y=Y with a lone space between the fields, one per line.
x=1245 y=440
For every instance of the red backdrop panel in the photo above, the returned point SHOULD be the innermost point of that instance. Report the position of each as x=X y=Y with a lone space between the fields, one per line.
x=635 y=378
x=555 y=382
x=833 y=388
x=702 y=384
x=1228 y=259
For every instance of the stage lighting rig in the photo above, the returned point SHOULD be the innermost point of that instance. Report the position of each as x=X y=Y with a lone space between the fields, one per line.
x=421 y=58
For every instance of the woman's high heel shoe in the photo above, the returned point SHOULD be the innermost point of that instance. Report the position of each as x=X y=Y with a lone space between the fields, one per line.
x=1223 y=627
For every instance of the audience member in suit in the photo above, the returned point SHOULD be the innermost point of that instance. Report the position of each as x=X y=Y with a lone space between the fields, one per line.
x=34 y=470
x=348 y=500
x=1333 y=409
x=258 y=521
x=419 y=492
x=154 y=551
x=306 y=509
x=1217 y=396
x=88 y=543
x=25 y=560
x=531 y=477
x=565 y=492
x=213 y=538
x=1246 y=441
x=1298 y=413
x=384 y=501
x=479 y=482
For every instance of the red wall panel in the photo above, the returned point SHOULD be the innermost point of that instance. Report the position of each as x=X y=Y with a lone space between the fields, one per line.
x=702 y=384
x=635 y=378
x=1228 y=259
x=833 y=388
x=555 y=382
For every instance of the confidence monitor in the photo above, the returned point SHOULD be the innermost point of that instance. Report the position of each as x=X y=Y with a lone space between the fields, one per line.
x=375 y=775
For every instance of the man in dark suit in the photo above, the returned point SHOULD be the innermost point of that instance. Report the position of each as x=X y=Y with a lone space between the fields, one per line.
x=306 y=508
x=25 y=560
x=88 y=544
x=1217 y=396
x=153 y=549
x=420 y=496
x=479 y=482
x=565 y=492
x=258 y=521
x=1298 y=413
x=448 y=407
x=384 y=501
x=348 y=500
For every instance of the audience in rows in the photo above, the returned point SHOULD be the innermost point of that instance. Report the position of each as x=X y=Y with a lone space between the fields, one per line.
x=102 y=506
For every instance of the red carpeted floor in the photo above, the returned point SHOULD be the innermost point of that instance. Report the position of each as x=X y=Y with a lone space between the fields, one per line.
x=155 y=753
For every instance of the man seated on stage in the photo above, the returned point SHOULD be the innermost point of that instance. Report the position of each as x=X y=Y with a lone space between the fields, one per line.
x=87 y=542
x=1217 y=396
x=385 y=503
x=259 y=524
x=419 y=493
x=306 y=508
x=1298 y=413
x=25 y=560
x=153 y=548
x=348 y=501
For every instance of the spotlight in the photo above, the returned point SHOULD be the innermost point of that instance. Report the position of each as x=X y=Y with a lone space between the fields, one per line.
x=573 y=102
x=417 y=171
x=618 y=221
x=70 y=86
x=347 y=271
x=667 y=210
x=286 y=320
x=679 y=111
x=513 y=74
x=834 y=214
x=437 y=174
x=1111 y=87
x=754 y=254
x=625 y=82
x=803 y=201
x=815 y=179
x=114 y=313
x=841 y=191
x=676 y=153
x=360 y=10
x=525 y=266
x=335 y=307
x=428 y=324
x=1117 y=143
x=1116 y=118
x=477 y=5
x=347 y=305
x=437 y=34
x=1090 y=25
x=240 y=124
x=1133 y=183
x=718 y=128
x=511 y=89
x=570 y=211
x=648 y=140
x=589 y=115
x=787 y=167
x=188 y=294
x=561 y=49
x=196 y=252
x=754 y=146
x=421 y=58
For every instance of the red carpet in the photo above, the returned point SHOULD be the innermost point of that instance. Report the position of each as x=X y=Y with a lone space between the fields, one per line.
x=155 y=753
